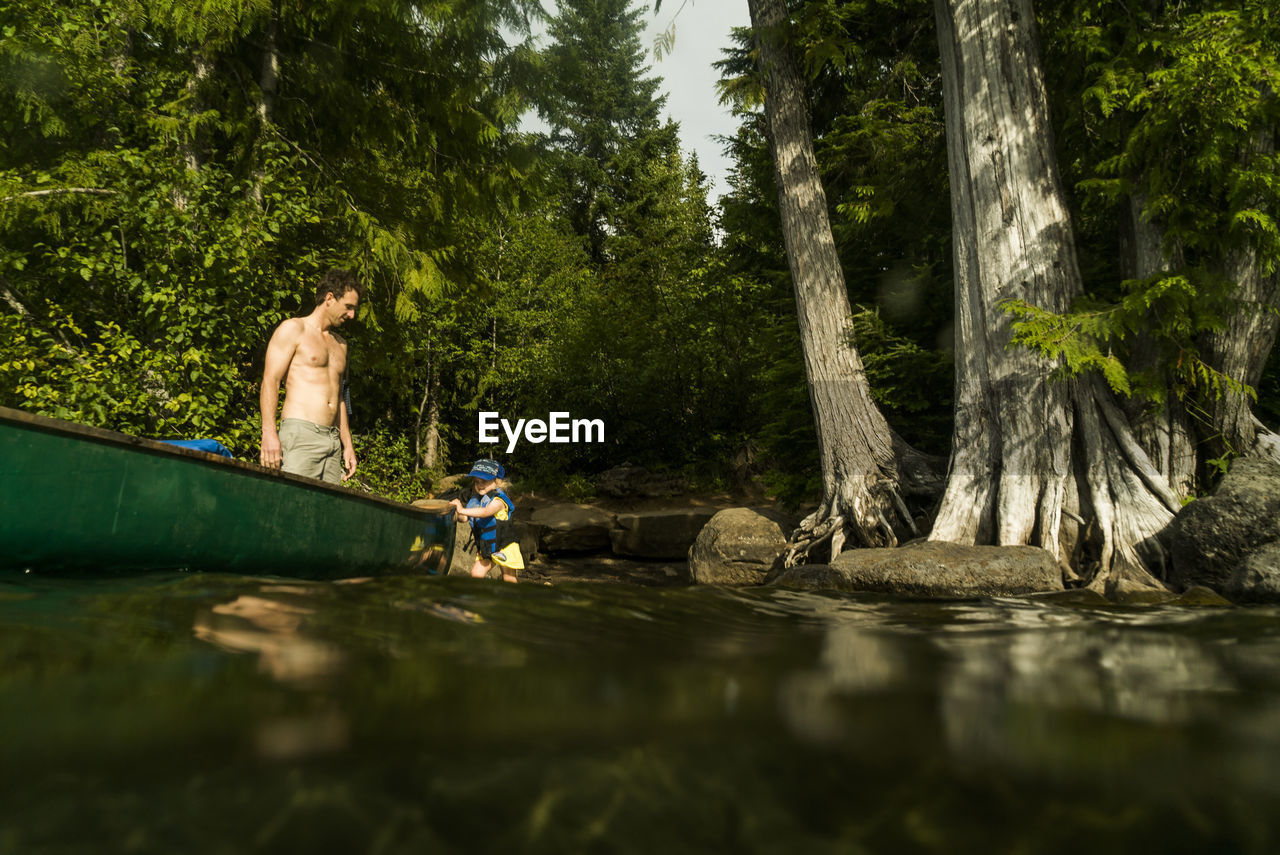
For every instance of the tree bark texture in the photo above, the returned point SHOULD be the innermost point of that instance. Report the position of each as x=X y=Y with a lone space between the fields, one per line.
x=1164 y=429
x=1240 y=350
x=1013 y=478
x=268 y=84
x=201 y=70
x=428 y=409
x=861 y=498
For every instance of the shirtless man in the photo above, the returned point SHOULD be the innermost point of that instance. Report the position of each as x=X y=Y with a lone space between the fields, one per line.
x=314 y=438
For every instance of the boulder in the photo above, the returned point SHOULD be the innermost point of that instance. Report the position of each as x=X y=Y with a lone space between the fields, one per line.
x=664 y=534
x=737 y=546
x=566 y=527
x=1212 y=538
x=933 y=570
x=1257 y=579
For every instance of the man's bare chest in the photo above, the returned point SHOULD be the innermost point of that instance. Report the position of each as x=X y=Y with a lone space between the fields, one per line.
x=316 y=351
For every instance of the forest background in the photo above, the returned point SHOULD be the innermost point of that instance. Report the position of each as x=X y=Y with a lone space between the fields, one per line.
x=174 y=177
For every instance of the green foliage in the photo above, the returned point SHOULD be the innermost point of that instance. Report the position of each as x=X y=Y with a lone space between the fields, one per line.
x=1175 y=110
x=876 y=110
x=386 y=466
x=1094 y=336
x=599 y=101
x=160 y=213
x=910 y=384
x=159 y=216
x=578 y=489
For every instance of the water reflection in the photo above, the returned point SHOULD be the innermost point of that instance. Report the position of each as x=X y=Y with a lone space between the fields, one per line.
x=271 y=628
x=854 y=661
x=409 y=714
x=1037 y=691
x=270 y=624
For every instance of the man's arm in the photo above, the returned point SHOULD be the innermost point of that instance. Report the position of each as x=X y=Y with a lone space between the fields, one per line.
x=344 y=434
x=280 y=350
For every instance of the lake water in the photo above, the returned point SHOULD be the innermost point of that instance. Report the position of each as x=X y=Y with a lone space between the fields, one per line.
x=210 y=713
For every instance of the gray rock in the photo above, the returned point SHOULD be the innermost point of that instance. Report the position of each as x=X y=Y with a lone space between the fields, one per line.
x=664 y=534
x=1257 y=579
x=1212 y=537
x=934 y=570
x=565 y=527
x=737 y=546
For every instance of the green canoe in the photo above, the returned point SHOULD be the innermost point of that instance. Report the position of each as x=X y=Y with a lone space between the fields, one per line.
x=79 y=498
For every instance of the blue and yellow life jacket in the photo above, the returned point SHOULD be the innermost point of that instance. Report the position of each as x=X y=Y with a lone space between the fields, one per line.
x=495 y=536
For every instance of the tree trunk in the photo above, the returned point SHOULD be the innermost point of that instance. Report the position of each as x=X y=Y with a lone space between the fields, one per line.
x=861 y=499
x=201 y=69
x=1163 y=429
x=1240 y=350
x=1013 y=479
x=268 y=84
x=428 y=411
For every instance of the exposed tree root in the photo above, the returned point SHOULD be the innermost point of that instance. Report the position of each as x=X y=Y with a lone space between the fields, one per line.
x=864 y=518
x=1265 y=444
x=875 y=514
x=1130 y=502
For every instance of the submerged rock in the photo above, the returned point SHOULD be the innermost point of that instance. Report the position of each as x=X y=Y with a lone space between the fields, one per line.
x=1199 y=595
x=1226 y=540
x=934 y=570
x=737 y=547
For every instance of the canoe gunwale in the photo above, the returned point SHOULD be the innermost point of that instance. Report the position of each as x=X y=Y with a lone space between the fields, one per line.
x=155 y=446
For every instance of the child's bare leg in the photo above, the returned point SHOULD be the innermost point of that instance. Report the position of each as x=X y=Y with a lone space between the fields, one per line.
x=481 y=568
x=508 y=577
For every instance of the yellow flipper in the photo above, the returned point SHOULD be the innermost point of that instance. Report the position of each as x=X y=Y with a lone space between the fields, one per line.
x=509 y=557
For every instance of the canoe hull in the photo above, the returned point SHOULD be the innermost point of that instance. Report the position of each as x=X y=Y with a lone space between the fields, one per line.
x=78 y=498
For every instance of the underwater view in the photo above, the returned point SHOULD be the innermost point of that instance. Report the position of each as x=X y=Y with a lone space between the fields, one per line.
x=216 y=713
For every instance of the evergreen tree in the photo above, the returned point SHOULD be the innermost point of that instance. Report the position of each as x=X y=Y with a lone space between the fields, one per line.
x=599 y=102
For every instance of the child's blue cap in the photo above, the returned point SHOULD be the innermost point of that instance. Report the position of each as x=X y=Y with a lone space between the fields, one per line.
x=487 y=469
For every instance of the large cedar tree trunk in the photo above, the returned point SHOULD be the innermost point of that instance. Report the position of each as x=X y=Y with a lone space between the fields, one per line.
x=861 y=499
x=1240 y=351
x=1036 y=459
x=1163 y=428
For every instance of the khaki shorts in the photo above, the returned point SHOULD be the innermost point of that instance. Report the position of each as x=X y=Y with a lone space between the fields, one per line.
x=312 y=450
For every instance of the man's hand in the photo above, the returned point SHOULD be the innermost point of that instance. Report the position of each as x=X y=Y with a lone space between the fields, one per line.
x=271 y=456
x=349 y=461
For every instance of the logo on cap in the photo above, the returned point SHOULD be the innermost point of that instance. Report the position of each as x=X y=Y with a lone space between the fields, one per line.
x=486 y=468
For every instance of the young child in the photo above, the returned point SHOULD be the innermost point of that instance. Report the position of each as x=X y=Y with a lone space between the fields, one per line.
x=489 y=511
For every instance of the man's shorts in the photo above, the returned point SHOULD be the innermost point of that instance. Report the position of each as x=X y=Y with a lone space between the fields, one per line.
x=312 y=450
